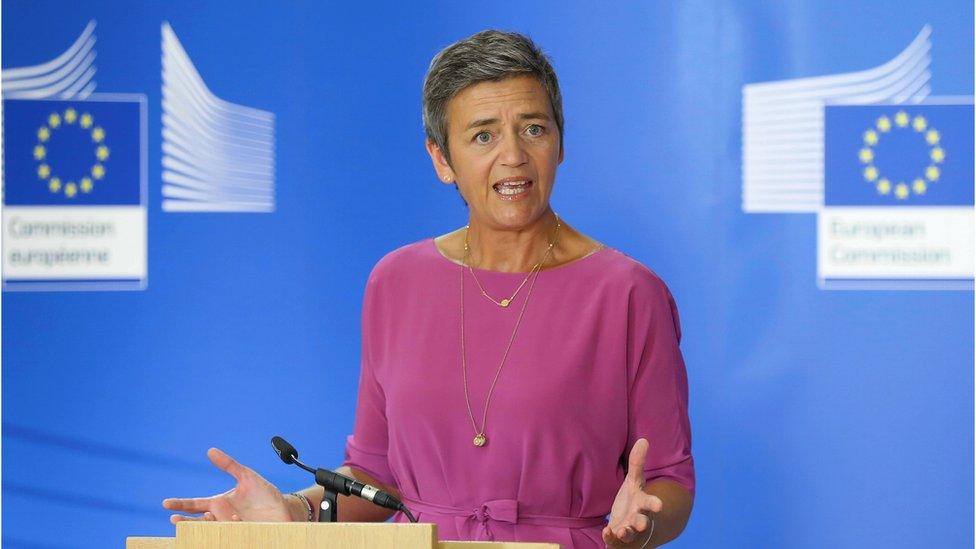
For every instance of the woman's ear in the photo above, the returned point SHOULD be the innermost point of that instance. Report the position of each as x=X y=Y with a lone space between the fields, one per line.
x=441 y=164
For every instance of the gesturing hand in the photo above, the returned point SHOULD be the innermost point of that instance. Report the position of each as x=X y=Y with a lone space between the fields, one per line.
x=252 y=499
x=631 y=510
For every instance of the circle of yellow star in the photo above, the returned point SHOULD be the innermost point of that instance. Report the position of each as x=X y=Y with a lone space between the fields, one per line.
x=901 y=191
x=884 y=186
x=901 y=119
x=40 y=152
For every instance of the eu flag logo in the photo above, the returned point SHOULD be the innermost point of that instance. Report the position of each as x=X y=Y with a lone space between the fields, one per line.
x=63 y=153
x=898 y=155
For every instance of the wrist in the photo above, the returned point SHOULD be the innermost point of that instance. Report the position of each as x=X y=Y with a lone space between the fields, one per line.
x=299 y=507
x=650 y=534
x=293 y=505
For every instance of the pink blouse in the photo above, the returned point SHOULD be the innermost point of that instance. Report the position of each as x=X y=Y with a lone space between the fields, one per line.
x=595 y=366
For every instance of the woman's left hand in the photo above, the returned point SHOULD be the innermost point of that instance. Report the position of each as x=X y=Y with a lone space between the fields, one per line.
x=630 y=515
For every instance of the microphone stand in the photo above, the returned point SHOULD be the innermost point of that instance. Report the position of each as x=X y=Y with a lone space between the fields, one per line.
x=329 y=508
x=334 y=484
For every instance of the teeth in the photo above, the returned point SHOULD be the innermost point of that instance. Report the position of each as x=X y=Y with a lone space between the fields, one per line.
x=512 y=187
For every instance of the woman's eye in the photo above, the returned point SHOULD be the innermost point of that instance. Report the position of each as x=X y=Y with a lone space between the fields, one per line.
x=535 y=130
x=482 y=137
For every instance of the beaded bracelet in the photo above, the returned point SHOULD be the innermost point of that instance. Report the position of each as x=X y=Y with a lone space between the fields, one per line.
x=308 y=504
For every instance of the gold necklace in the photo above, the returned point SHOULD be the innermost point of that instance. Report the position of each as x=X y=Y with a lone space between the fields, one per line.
x=479 y=438
x=507 y=301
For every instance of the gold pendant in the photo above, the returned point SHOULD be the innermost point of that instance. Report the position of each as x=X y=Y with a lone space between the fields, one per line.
x=505 y=302
x=480 y=440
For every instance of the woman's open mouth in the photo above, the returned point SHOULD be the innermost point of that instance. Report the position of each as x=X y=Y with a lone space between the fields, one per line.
x=512 y=188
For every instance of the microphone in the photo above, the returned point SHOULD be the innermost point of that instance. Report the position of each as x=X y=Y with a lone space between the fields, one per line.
x=337 y=483
x=287 y=452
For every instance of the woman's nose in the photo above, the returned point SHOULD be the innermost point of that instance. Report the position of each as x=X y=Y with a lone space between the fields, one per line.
x=513 y=152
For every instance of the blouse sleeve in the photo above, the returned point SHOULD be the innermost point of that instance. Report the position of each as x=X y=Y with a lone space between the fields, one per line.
x=366 y=448
x=658 y=396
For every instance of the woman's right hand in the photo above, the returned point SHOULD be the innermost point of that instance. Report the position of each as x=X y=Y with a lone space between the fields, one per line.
x=252 y=499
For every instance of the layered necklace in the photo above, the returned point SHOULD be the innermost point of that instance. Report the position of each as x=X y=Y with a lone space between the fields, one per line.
x=480 y=439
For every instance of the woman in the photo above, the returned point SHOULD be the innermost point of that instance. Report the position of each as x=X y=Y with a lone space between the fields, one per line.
x=520 y=381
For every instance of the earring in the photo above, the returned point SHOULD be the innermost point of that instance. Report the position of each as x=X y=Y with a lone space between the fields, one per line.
x=447 y=178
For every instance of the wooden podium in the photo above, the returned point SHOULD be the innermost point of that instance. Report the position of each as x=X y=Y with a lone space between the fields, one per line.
x=313 y=535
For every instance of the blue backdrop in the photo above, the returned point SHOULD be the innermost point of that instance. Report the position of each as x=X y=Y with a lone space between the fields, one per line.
x=821 y=418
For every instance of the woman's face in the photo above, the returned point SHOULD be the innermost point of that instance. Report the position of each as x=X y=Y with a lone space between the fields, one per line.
x=505 y=148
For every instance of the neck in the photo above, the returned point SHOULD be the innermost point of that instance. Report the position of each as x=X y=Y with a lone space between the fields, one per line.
x=514 y=251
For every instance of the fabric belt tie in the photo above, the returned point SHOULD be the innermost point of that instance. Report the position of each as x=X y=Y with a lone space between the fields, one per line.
x=500 y=510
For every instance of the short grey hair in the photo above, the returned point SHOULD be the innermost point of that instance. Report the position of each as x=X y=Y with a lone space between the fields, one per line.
x=489 y=55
